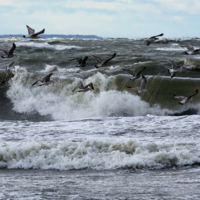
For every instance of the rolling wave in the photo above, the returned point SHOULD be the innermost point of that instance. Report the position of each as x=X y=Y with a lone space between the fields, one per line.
x=110 y=97
x=97 y=154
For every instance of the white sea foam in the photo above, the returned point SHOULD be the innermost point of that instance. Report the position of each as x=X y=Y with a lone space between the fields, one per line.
x=172 y=48
x=97 y=154
x=47 y=45
x=58 y=100
x=50 y=68
x=142 y=129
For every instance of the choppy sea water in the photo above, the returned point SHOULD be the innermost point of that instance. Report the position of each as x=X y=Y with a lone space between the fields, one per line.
x=109 y=143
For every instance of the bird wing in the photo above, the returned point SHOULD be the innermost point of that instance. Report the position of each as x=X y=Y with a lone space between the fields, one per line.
x=97 y=58
x=84 y=59
x=30 y=30
x=90 y=85
x=79 y=60
x=35 y=82
x=143 y=83
x=12 y=49
x=148 y=42
x=138 y=73
x=106 y=61
x=130 y=71
x=190 y=48
x=188 y=52
x=173 y=74
x=47 y=78
x=157 y=35
x=192 y=95
x=196 y=50
x=134 y=88
x=40 y=32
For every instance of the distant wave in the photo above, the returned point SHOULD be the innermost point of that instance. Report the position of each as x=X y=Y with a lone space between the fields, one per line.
x=54 y=36
x=46 y=45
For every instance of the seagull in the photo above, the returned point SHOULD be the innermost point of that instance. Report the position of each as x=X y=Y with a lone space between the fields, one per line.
x=102 y=63
x=84 y=88
x=81 y=62
x=45 y=81
x=175 y=67
x=134 y=74
x=8 y=69
x=142 y=88
x=185 y=99
x=32 y=33
x=191 y=50
x=9 y=54
x=152 y=39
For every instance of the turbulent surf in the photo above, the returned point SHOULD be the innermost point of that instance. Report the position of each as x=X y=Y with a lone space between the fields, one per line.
x=109 y=128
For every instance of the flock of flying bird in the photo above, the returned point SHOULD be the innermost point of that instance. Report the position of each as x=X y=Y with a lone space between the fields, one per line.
x=82 y=63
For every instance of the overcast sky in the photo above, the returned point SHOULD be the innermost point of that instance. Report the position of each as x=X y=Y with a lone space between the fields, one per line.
x=105 y=18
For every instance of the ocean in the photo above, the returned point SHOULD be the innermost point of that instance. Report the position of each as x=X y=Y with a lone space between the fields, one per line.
x=107 y=143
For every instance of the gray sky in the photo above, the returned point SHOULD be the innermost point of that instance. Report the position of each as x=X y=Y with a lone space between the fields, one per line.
x=105 y=18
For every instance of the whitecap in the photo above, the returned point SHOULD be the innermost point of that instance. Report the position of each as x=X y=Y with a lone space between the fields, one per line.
x=47 y=45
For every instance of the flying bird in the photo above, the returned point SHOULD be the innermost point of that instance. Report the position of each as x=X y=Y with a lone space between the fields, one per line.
x=9 y=54
x=32 y=33
x=102 y=63
x=175 y=67
x=152 y=39
x=185 y=99
x=85 y=88
x=81 y=62
x=191 y=50
x=135 y=75
x=45 y=80
x=142 y=88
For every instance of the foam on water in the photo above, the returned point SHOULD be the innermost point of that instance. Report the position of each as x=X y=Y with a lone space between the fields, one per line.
x=142 y=129
x=58 y=100
x=172 y=48
x=97 y=154
x=51 y=68
x=132 y=142
x=47 y=45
